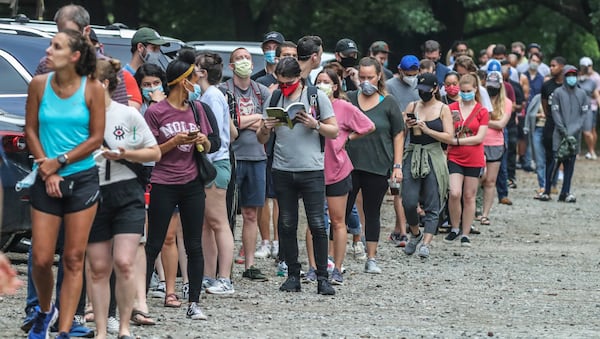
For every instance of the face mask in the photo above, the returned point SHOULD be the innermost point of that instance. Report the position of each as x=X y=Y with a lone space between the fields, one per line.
x=195 y=94
x=367 y=88
x=452 y=90
x=243 y=68
x=410 y=80
x=533 y=66
x=146 y=91
x=327 y=88
x=287 y=90
x=425 y=96
x=467 y=96
x=270 y=57
x=152 y=58
x=571 y=80
x=348 y=62
x=492 y=91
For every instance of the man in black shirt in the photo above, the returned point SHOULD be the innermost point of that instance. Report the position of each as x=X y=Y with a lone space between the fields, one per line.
x=556 y=69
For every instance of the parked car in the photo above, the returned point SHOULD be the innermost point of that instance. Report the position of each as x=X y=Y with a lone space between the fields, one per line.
x=19 y=57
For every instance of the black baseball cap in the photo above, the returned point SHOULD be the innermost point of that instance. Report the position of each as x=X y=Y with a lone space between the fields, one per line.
x=346 y=46
x=426 y=82
x=273 y=36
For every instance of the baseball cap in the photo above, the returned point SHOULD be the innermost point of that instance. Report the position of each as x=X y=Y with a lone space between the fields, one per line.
x=379 y=47
x=534 y=45
x=569 y=69
x=494 y=66
x=93 y=36
x=346 y=46
x=409 y=62
x=426 y=82
x=274 y=36
x=585 y=61
x=147 y=35
x=494 y=79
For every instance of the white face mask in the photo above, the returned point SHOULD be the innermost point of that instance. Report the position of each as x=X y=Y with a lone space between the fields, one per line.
x=327 y=88
x=410 y=80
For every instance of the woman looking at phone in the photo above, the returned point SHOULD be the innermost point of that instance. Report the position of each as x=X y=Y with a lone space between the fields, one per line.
x=64 y=125
x=425 y=171
x=175 y=180
x=465 y=157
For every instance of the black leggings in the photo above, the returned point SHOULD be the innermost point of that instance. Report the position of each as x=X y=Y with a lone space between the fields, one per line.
x=373 y=188
x=190 y=198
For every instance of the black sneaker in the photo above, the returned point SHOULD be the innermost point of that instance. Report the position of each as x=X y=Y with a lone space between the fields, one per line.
x=465 y=242
x=451 y=236
x=324 y=287
x=544 y=197
x=562 y=197
x=292 y=284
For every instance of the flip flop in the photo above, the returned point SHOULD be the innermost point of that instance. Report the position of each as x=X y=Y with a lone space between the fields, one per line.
x=140 y=318
x=172 y=300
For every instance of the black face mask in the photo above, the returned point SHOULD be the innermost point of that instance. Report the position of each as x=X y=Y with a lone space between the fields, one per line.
x=348 y=62
x=492 y=91
x=425 y=96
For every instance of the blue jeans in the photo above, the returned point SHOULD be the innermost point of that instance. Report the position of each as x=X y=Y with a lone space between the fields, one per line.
x=353 y=223
x=540 y=155
x=311 y=186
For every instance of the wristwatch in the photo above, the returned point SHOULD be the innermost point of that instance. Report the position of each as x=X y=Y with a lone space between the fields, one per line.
x=399 y=166
x=318 y=127
x=62 y=159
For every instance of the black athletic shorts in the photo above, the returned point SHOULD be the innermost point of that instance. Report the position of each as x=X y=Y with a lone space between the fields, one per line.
x=121 y=211
x=339 y=188
x=85 y=193
x=475 y=172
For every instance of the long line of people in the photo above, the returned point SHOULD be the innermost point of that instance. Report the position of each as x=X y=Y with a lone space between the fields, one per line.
x=434 y=135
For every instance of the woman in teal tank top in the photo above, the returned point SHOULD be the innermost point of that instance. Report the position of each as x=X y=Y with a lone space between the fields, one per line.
x=64 y=125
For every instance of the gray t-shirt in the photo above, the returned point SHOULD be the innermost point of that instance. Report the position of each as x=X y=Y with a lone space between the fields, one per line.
x=299 y=149
x=402 y=92
x=253 y=100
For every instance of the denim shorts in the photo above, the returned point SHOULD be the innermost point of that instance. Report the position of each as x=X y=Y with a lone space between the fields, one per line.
x=223 y=168
x=250 y=179
x=86 y=192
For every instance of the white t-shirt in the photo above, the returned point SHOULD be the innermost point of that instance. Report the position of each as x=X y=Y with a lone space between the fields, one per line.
x=214 y=98
x=125 y=127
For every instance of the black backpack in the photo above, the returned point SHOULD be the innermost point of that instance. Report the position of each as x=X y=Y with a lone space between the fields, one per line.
x=313 y=101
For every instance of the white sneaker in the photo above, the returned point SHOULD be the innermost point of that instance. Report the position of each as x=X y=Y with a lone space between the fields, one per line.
x=221 y=286
x=275 y=249
x=263 y=251
x=371 y=267
x=159 y=291
x=359 y=250
x=113 y=325
x=588 y=156
x=185 y=291
x=195 y=313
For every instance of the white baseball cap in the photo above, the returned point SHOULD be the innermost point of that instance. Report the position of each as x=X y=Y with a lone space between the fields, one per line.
x=585 y=61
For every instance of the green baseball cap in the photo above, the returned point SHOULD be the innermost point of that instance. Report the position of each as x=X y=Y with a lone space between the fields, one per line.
x=147 y=35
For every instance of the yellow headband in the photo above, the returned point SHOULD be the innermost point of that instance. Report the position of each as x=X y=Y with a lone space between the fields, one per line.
x=181 y=77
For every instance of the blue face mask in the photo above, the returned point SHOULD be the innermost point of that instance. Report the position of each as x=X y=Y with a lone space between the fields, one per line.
x=467 y=96
x=270 y=57
x=571 y=81
x=195 y=94
x=146 y=91
x=385 y=64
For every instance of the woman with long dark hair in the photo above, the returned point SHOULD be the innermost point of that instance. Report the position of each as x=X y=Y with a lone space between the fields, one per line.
x=64 y=125
x=175 y=180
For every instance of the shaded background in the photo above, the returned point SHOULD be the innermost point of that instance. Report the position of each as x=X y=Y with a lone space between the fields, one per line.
x=570 y=28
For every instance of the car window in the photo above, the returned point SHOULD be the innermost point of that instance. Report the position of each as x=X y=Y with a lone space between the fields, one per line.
x=12 y=82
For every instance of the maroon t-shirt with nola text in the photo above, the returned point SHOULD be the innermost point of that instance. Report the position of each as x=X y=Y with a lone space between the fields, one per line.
x=177 y=166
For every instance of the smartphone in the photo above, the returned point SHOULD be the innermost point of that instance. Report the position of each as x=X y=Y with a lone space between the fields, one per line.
x=66 y=188
x=192 y=134
x=411 y=116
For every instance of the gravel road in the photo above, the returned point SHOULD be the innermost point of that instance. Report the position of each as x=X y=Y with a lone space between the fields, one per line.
x=534 y=273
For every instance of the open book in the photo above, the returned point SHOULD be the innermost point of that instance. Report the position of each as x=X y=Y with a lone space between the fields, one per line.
x=286 y=115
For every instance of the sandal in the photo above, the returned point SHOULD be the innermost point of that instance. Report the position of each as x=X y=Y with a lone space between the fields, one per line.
x=140 y=318
x=89 y=315
x=172 y=300
x=485 y=221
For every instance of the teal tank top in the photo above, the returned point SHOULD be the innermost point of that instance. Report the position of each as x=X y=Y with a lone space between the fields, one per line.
x=63 y=125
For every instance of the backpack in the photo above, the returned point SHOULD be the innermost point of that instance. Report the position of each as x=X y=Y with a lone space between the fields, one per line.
x=315 y=111
x=228 y=91
x=230 y=97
